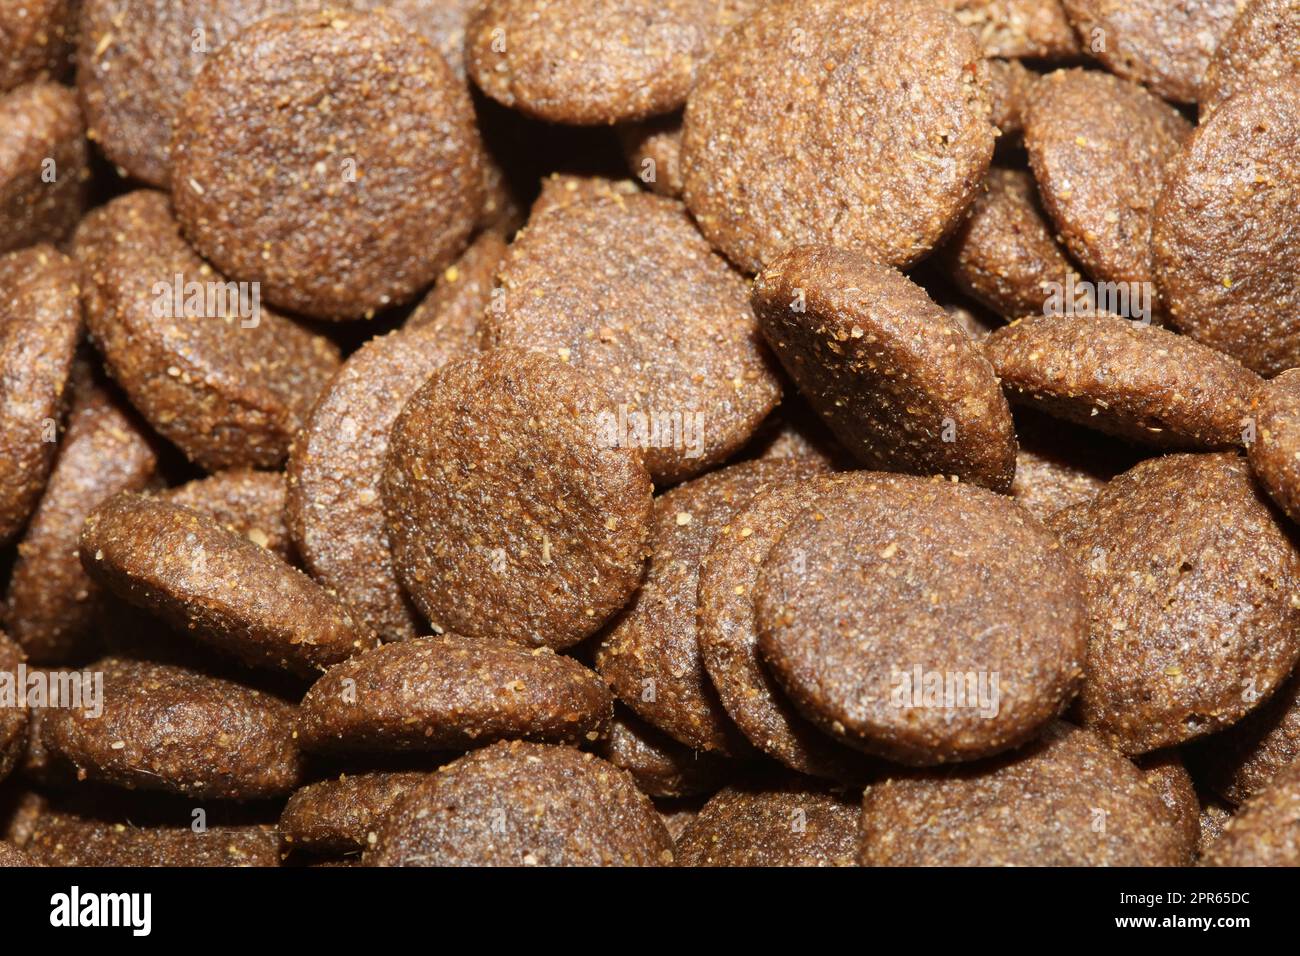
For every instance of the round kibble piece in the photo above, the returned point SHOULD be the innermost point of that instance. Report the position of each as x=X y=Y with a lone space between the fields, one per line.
x=52 y=607
x=625 y=290
x=651 y=656
x=776 y=825
x=36 y=39
x=902 y=387
x=654 y=153
x=543 y=527
x=856 y=123
x=1138 y=382
x=43 y=135
x=246 y=502
x=65 y=839
x=217 y=586
x=40 y=326
x=302 y=134
x=170 y=729
x=228 y=381
x=1011 y=87
x=1058 y=465
x=1037 y=806
x=1166 y=45
x=1275 y=452
x=1033 y=28
x=1237 y=177
x=137 y=59
x=1165 y=773
x=1099 y=147
x=660 y=765
x=1004 y=254
x=522 y=804
x=453 y=693
x=728 y=635
x=455 y=305
x=1266 y=830
x=594 y=61
x=1191 y=589
x=13 y=719
x=441 y=22
x=1244 y=759
x=1262 y=46
x=335 y=508
x=338 y=816
x=887 y=583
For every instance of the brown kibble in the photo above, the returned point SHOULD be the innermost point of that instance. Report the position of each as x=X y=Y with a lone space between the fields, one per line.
x=36 y=40
x=1266 y=830
x=245 y=502
x=1261 y=46
x=661 y=766
x=13 y=720
x=1165 y=773
x=1032 y=28
x=337 y=816
x=43 y=164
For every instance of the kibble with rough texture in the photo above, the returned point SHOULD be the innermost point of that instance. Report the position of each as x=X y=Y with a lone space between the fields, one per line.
x=13 y=718
x=245 y=502
x=1032 y=28
x=654 y=153
x=1262 y=45
x=523 y=804
x=339 y=816
x=661 y=766
x=66 y=839
x=1011 y=87
x=36 y=39
x=1166 y=774
x=1266 y=830
x=456 y=303
x=43 y=165
x=1242 y=760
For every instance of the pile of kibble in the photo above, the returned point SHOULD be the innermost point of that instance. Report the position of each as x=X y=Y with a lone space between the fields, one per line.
x=650 y=432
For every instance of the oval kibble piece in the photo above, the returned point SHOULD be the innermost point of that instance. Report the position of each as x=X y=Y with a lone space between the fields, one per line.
x=36 y=39
x=217 y=586
x=1011 y=87
x=626 y=290
x=335 y=508
x=1166 y=45
x=1275 y=452
x=901 y=386
x=660 y=765
x=654 y=153
x=243 y=501
x=1165 y=773
x=441 y=22
x=338 y=816
x=1138 y=382
x=276 y=186
x=226 y=380
x=66 y=839
x=543 y=527
x=174 y=730
x=651 y=655
x=590 y=62
x=42 y=124
x=1037 y=806
x=1262 y=45
x=776 y=824
x=728 y=635
x=1099 y=147
x=1237 y=176
x=1265 y=831
x=523 y=804
x=1192 y=585
x=1004 y=254
x=893 y=90
x=455 y=304
x=1032 y=28
x=136 y=60
x=452 y=693
x=894 y=612
x=13 y=718
x=1242 y=760
x=52 y=607
x=40 y=326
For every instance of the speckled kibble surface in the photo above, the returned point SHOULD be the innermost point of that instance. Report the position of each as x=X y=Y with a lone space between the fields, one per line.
x=661 y=766
x=856 y=123
x=338 y=816
x=464 y=289
x=1011 y=87
x=1265 y=831
x=65 y=839
x=247 y=502
x=1166 y=774
x=306 y=130
x=42 y=124
x=1242 y=760
x=543 y=525
x=902 y=387
x=1016 y=28
x=1275 y=452
x=1262 y=45
x=654 y=153
x=217 y=586
x=523 y=804
x=1193 y=593
x=36 y=39
x=13 y=720
x=1226 y=250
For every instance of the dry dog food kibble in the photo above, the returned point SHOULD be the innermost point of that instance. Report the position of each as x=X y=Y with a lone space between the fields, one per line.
x=338 y=816
x=523 y=804
x=1275 y=451
x=654 y=153
x=217 y=586
x=1011 y=87
x=892 y=90
x=304 y=131
x=902 y=387
x=1165 y=773
x=543 y=523
x=1262 y=45
x=1033 y=28
x=1265 y=831
x=453 y=693
x=43 y=165
x=1239 y=297
x=246 y=502
x=13 y=720
x=456 y=303
x=660 y=765
x=1191 y=589
x=40 y=325
x=1242 y=760
x=36 y=39
x=884 y=587
x=1059 y=465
